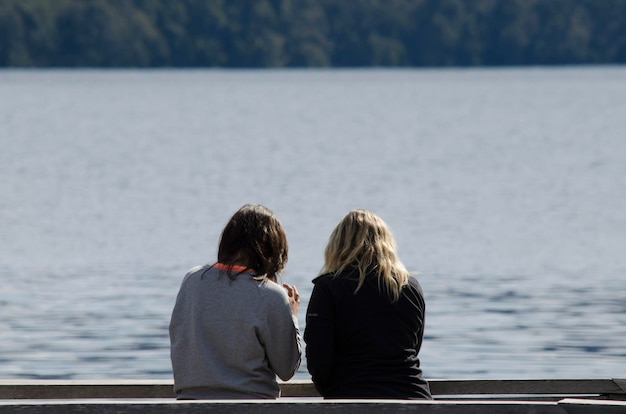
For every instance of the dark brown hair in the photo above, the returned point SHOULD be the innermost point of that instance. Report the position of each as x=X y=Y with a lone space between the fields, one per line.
x=254 y=238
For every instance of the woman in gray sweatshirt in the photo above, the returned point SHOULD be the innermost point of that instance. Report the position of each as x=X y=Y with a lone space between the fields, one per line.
x=233 y=327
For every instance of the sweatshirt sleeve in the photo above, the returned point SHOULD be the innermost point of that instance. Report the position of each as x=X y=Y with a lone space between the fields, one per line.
x=282 y=339
x=319 y=337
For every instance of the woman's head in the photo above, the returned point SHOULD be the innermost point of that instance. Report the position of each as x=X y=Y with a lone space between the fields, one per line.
x=254 y=238
x=363 y=240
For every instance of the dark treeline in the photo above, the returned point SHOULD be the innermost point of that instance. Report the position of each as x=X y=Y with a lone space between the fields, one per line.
x=298 y=33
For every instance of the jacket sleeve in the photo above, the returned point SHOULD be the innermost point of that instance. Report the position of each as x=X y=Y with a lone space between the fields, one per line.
x=319 y=336
x=282 y=341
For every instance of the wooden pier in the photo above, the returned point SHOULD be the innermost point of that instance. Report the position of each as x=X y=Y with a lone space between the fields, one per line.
x=559 y=396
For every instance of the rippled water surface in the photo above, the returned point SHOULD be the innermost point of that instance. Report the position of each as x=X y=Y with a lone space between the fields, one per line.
x=506 y=190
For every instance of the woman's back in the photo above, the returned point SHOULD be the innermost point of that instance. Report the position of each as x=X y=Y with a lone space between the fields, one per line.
x=230 y=338
x=364 y=344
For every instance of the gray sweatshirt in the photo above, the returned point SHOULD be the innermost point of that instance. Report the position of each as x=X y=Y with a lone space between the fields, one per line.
x=231 y=338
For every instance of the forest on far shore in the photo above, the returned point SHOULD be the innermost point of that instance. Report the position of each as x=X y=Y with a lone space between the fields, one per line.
x=310 y=33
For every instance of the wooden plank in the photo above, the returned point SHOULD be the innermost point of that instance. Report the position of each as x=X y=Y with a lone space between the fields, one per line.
x=578 y=406
x=441 y=389
x=275 y=407
x=526 y=387
x=298 y=388
x=66 y=389
x=621 y=383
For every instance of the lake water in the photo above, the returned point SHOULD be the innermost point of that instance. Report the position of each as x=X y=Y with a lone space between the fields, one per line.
x=506 y=189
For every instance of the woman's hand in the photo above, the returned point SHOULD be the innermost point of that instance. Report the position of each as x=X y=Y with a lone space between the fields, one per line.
x=294 y=297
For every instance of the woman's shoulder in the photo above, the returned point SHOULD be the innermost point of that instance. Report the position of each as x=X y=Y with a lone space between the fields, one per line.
x=414 y=285
x=323 y=278
x=346 y=279
x=196 y=270
x=271 y=291
x=413 y=280
x=268 y=285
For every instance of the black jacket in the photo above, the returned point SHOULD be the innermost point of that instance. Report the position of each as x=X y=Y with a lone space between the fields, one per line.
x=362 y=345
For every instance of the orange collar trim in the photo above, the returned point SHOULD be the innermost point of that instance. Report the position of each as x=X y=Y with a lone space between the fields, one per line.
x=236 y=268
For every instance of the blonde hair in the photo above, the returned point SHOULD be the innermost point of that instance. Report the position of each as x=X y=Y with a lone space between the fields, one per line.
x=363 y=240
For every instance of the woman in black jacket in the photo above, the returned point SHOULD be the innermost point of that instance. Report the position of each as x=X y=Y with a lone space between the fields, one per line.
x=365 y=319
